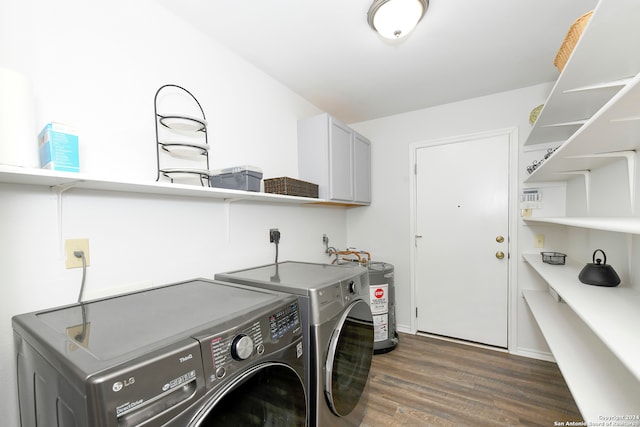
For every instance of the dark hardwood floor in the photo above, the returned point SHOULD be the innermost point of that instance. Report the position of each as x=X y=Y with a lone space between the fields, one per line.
x=431 y=382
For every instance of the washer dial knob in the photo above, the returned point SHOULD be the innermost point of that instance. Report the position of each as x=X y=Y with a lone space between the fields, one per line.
x=354 y=287
x=241 y=347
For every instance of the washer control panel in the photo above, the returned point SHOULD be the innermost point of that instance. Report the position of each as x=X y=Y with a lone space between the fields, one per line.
x=242 y=347
x=228 y=352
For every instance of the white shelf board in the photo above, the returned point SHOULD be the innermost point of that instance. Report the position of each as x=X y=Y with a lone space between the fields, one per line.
x=48 y=178
x=613 y=314
x=615 y=128
x=595 y=71
x=599 y=383
x=629 y=225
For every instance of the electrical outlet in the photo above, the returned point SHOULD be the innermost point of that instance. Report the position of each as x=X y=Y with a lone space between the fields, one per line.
x=72 y=245
x=274 y=235
x=80 y=334
x=538 y=241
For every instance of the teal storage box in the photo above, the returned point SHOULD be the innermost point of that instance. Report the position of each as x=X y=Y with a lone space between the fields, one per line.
x=59 y=148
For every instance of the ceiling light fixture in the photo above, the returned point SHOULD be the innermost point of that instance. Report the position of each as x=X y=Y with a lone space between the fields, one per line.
x=394 y=19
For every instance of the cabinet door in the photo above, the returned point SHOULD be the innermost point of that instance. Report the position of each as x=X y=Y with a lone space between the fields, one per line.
x=340 y=162
x=362 y=168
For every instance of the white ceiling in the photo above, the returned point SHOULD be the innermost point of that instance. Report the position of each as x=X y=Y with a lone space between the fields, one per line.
x=325 y=51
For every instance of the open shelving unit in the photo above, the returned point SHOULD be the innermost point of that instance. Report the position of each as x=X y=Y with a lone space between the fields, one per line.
x=602 y=63
x=598 y=358
x=593 y=111
x=593 y=116
x=611 y=133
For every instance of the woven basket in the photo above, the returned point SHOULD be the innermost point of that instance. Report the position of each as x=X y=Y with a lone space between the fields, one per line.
x=290 y=187
x=533 y=116
x=570 y=40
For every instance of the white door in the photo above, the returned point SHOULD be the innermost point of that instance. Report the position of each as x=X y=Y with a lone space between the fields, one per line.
x=462 y=224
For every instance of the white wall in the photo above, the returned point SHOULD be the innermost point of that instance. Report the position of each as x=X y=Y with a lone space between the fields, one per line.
x=384 y=228
x=97 y=66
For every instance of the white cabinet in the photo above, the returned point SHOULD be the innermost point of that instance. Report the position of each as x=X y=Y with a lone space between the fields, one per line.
x=362 y=168
x=593 y=113
x=335 y=157
x=340 y=166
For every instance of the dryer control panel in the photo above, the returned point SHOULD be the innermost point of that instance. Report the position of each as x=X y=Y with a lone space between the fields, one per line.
x=330 y=300
x=226 y=353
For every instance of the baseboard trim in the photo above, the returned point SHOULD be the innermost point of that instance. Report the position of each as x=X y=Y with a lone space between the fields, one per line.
x=459 y=341
x=534 y=354
x=524 y=352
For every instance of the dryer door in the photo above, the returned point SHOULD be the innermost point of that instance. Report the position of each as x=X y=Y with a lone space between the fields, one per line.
x=349 y=358
x=268 y=395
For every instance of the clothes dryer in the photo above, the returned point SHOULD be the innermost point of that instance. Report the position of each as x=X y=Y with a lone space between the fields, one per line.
x=337 y=330
x=192 y=354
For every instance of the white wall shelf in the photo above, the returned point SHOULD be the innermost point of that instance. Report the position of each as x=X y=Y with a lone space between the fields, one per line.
x=48 y=178
x=629 y=225
x=600 y=65
x=608 y=312
x=613 y=132
x=599 y=383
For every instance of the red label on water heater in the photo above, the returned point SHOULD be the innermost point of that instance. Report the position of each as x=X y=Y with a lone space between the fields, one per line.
x=378 y=300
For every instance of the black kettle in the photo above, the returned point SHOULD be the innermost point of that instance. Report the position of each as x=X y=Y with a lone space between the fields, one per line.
x=599 y=273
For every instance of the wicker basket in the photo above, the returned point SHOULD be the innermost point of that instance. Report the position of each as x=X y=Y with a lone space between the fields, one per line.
x=570 y=40
x=290 y=187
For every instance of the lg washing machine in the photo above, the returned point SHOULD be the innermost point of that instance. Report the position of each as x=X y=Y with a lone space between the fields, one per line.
x=337 y=328
x=192 y=354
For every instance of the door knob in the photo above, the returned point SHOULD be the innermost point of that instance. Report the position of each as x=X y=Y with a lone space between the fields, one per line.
x=499 y=254
x=499 y=239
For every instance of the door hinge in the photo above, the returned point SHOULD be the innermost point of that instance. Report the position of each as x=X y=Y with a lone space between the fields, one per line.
x=416 y=311
x=415 y=169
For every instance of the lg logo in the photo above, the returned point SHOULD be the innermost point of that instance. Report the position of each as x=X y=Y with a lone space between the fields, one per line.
x=119 y=385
